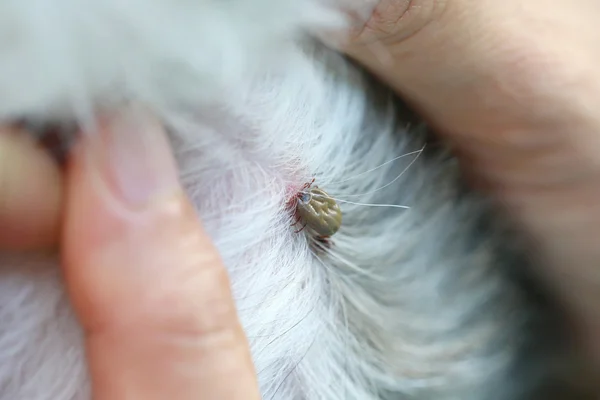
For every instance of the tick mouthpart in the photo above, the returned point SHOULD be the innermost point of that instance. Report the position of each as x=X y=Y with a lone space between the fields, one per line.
x=292 y=192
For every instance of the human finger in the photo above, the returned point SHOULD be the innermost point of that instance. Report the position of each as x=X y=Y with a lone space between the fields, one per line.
x=146 y=282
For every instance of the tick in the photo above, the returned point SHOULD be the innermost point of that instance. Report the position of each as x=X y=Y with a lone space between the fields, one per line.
x=317 y=210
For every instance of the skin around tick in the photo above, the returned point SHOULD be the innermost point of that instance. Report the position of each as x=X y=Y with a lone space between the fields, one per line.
x=319 y=211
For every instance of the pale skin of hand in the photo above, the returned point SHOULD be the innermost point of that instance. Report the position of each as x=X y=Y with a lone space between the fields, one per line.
x=513 y=84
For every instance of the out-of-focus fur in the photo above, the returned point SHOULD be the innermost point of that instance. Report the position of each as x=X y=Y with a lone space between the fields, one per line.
x=405 y=304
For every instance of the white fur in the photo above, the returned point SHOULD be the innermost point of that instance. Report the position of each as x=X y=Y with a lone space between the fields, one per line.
x=59 y=55
x=406 y=304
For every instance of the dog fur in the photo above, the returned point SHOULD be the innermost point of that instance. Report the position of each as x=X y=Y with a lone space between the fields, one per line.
x=425 y=303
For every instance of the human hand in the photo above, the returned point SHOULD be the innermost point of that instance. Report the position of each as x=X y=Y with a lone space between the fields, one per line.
x=147 y=285
x=515 y=87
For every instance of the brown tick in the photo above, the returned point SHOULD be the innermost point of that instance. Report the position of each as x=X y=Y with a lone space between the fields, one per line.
x=317 y=210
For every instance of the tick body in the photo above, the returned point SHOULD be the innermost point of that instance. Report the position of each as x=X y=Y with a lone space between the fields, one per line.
x=317 y=210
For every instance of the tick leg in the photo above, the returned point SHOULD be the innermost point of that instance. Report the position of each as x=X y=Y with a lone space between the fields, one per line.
x=308 y=184
x=301 y=229
x=297 y=220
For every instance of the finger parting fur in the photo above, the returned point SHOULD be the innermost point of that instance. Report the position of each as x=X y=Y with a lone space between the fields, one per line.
x=402 y=304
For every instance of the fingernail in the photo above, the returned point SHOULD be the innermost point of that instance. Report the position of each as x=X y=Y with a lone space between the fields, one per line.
x=134 y=156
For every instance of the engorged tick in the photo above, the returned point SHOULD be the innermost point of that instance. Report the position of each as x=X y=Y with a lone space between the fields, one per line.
x=317 y=210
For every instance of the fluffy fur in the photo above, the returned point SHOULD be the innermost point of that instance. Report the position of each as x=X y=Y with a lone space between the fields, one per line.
x=405 y=304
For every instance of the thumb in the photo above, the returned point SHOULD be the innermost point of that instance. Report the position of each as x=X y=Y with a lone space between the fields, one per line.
x=145 y=280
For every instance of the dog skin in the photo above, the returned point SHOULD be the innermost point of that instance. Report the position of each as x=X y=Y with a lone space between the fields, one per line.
x=424 y=302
